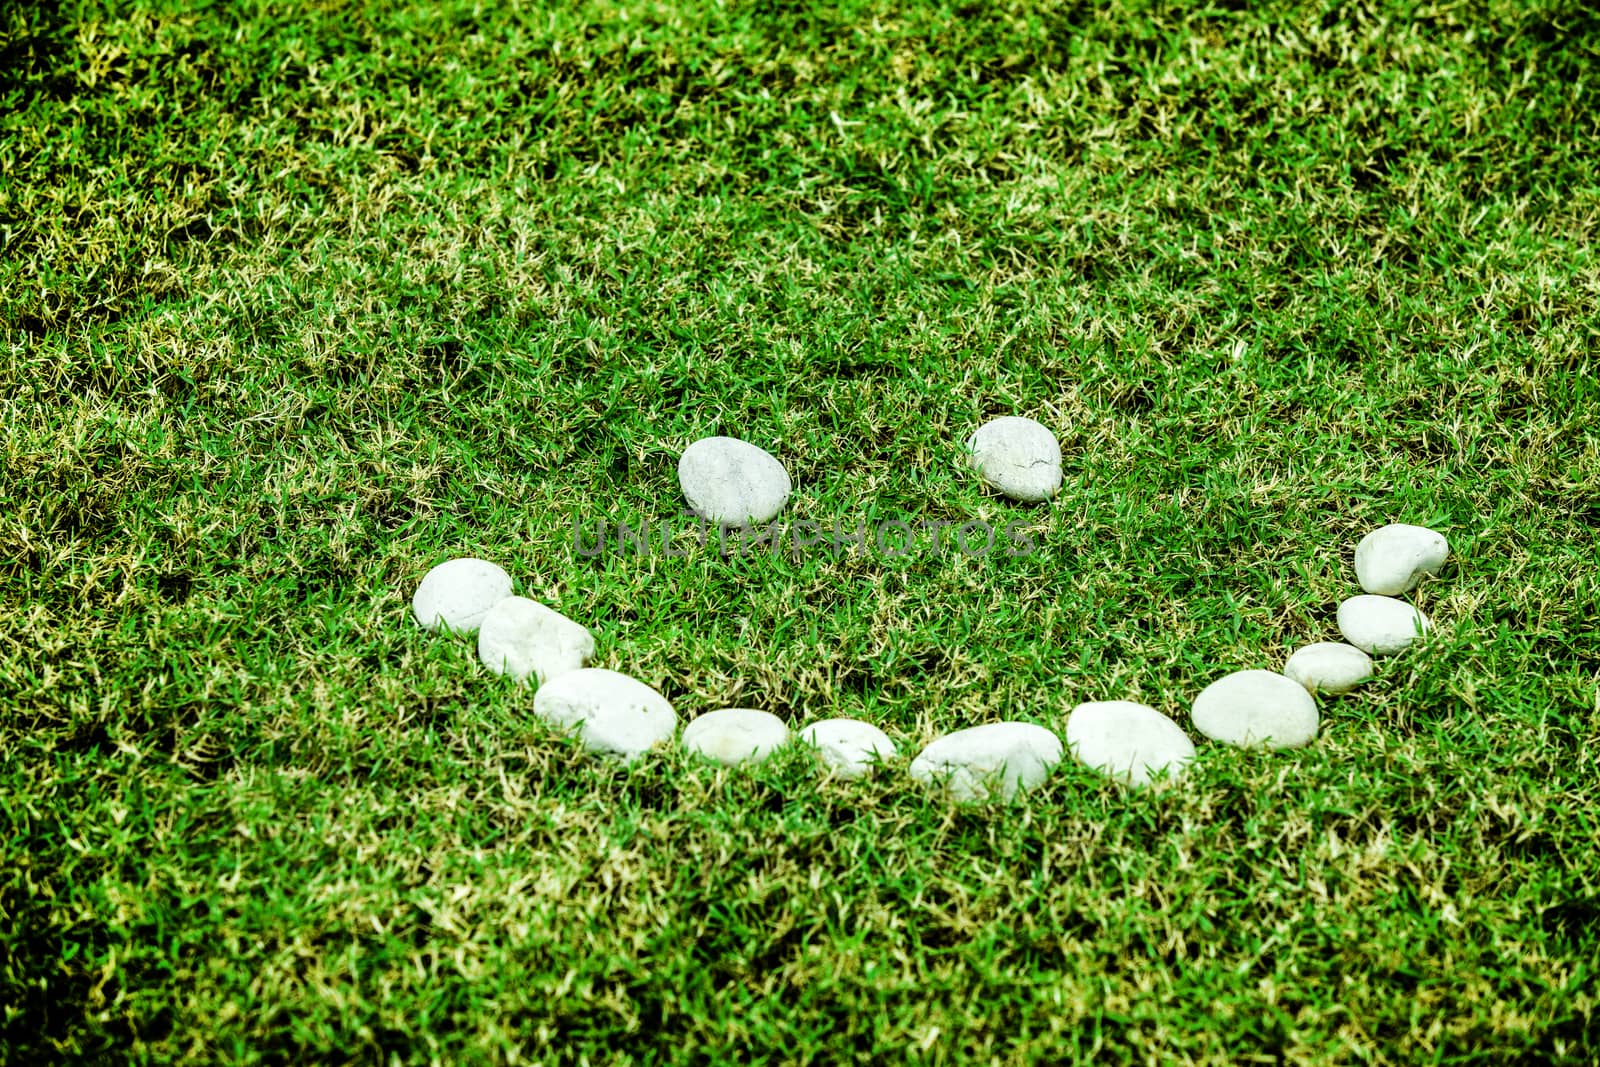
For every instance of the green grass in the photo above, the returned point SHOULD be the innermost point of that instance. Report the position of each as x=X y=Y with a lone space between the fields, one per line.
x=297 y=303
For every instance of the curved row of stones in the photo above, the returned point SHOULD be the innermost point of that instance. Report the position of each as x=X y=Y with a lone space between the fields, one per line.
x=726 y=480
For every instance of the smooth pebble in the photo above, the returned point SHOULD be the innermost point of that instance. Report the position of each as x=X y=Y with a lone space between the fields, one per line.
x=850 y=747
x=1127 y=741
x=1380 y=625
x=523 y=638
x=1249 y=708
x=1018 y=456
x=1329 y=667
x=998 y=760
x=459 y=593
x=736 y=735
x=1393 y=558
x=613 y=713
x=732 y=482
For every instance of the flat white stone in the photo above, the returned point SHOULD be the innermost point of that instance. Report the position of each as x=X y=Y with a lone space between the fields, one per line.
x=1000 y=760
x=1248 y=708
x=1128 y=741
x=1391 y=559
x=612 y=713
x=850 y=747
x=1380 y=624
x=726 y=480
x=523 y=638
x=736 y=735
x=1329 y=667
x=458 y=594
x=1018 y=456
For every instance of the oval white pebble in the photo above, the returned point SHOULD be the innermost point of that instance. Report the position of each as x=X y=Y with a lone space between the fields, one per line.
x=1018 y=456
x=736 y=735
x=1248 y=708
x=613 y=713
x=1391 y=559
x=850 y=747
x=729 y=481
x=1380 y=624
x=1000 y=760
x=523 y=638
x=459 y=593
x=1329 y=667
x=1128 y=741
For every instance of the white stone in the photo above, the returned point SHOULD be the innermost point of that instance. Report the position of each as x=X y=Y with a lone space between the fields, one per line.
x=1329 y=667
x=1018 y=456
x=1391 y=559
x=613 y=713
x=729 y=481
x=1000 y=760
x=1128 y=741
x=523 y=638
x=1380 y=624
x=849 y=747
x=736 y=735
x=459 y=593
x=1249 y=708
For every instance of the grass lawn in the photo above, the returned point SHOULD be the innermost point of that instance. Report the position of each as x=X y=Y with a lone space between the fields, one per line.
x=298 y=300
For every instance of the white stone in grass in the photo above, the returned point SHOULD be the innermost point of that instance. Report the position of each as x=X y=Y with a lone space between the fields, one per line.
x=458 y=594
x=1251 y=708
x=998 y=760
x=523 y=638
x=1391 y=559
x=612 y=713
x=1380 y=625
x=736 y=735
x=732 y=482
x=1018 y=456
x=1329 y=667
x=850 y=747
x=1128 y=741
